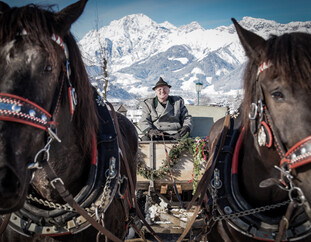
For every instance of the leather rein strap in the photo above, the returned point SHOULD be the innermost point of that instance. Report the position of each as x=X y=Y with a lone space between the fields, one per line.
x=5 y=223
x=204 y=182
x=58 y=184
x=126 y=163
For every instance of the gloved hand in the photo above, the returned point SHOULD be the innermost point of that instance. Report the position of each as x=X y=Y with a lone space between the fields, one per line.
x=154 y=133
x=183 y=131
x=176 y=136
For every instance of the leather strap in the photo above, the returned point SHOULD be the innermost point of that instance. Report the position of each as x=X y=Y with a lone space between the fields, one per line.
x=204 y=182
x=190 y=223
x=58 y=184
x=132 y=187
x=4 y=223
x=284 y=223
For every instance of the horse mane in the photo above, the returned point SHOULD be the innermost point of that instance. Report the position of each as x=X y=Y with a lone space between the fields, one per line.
x=40 y=25
x=290 y=56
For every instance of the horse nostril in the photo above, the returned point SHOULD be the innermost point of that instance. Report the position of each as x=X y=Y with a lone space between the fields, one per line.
x=9 y=182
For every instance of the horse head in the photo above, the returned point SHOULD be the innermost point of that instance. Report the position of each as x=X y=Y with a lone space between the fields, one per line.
x=36 y=92
x=276 y=106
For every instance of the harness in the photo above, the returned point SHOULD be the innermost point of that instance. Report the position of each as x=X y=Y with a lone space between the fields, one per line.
x=104 y=180
x=228 y=203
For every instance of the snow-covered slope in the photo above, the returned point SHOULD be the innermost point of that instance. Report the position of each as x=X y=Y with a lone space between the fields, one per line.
x=139 y=51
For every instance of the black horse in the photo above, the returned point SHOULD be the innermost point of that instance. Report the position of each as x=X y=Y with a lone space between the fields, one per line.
x=51 y=117
x=260 y=186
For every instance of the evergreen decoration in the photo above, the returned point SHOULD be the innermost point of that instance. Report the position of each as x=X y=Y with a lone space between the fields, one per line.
x=197 y=147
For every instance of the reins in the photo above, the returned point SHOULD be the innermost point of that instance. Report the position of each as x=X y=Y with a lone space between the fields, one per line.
x=5 y=223
x=204 y=182
x=132 y=192
x=58 y=184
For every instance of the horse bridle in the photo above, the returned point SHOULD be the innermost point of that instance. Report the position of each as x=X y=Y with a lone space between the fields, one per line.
x=262 y=126
x=14 y=108
x=296 y=156
x=18 y=109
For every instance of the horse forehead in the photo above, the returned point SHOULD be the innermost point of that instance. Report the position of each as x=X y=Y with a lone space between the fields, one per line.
x=28 y=52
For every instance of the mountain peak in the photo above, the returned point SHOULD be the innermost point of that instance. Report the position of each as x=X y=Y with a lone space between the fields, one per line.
x=192 y=27
x=133 y=21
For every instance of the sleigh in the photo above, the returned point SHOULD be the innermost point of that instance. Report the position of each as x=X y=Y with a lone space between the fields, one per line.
x=175 y=185
x=153 y=156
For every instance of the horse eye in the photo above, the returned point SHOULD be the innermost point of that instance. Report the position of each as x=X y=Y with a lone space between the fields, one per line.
x=277 y=95
x=48 y=68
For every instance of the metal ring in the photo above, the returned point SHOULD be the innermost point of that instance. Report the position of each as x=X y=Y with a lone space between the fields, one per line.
x=253 y=111
x=216 y=184
x=301 y=196
x=39 y=152
x=260 y=107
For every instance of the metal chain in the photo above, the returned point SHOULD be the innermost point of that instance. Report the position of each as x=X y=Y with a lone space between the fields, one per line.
x=103 y=200
x=243 y=213
x=250 y=211
x=49 y=204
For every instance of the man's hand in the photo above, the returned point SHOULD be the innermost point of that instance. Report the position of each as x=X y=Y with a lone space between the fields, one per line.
x=183 y=131
x=154 y=133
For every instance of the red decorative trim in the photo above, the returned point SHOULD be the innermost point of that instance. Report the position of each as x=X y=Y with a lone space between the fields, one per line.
x=70 y=101
x=295 y=160
x=17 y=98
x=94 y=150
x=268 y=130
x=41 y=118
x=235 y=159
x=18 y=120
x=263 y=66
x=276 y=144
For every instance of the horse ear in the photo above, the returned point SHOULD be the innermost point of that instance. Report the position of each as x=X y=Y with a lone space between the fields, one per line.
x=3 y=7
x=66 y=17
x=251 y=42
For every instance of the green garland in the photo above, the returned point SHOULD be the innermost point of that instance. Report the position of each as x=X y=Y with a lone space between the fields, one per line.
x=197 y=147
x=199 y=152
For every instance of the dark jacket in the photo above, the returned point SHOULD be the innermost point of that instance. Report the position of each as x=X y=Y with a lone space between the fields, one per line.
x=169 y=119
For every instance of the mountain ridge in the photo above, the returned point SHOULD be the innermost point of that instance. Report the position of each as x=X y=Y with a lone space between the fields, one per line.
x=140 y=50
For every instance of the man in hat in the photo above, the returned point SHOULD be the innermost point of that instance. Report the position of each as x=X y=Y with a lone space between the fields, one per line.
x=164 y=114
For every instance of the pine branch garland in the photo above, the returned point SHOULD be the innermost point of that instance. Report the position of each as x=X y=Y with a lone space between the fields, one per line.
x=197 y=147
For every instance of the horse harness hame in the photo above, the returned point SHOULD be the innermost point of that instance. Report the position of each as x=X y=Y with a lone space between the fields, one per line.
x=225 y=200
x=104 y=180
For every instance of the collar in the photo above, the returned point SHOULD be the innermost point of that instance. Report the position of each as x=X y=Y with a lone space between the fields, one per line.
x=156 y=101
x=254 y=225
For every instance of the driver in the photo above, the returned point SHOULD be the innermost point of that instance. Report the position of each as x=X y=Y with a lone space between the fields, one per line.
x=164 y=114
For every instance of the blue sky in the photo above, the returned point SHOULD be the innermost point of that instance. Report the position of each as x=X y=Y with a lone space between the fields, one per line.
x=208 y=13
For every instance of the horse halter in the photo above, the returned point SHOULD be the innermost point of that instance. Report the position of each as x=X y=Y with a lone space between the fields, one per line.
x=18 y=109
x=262 y=125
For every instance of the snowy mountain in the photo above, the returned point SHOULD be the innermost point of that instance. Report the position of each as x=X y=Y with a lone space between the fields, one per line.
x=139 y=51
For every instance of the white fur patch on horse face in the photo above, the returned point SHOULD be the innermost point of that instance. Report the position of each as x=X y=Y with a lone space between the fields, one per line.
x=30 y=55
x=6 y=50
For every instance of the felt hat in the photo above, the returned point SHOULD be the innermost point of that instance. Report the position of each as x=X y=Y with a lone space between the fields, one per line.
x=161 y=83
